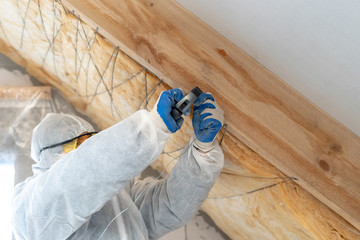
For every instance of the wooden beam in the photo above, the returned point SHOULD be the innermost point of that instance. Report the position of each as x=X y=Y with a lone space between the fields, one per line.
x=25 y=93
x=251 y=199
x=261 y=110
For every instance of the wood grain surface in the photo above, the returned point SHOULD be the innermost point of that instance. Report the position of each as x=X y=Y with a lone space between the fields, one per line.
x=251 y=199
x=261 y=110
x=25 y=93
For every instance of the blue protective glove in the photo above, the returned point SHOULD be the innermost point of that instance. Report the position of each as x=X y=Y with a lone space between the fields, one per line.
x=166 y=102
x=207 y=119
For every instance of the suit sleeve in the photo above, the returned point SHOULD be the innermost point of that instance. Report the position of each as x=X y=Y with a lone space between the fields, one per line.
x=170 y=203
x=55 y=203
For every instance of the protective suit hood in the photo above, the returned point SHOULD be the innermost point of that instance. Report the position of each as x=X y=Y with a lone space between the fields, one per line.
x=53 y=129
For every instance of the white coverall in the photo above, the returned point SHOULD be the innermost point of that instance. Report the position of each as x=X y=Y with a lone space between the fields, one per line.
x=75 y=196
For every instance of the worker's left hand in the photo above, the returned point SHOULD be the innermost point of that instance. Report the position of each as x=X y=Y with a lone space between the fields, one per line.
x=208 y=118
x=164 y=105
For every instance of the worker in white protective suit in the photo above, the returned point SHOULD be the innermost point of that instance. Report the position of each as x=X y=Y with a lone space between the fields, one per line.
x=89 y=192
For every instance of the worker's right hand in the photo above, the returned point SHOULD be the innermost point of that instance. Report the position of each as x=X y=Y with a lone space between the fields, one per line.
x=164 y=105
x=207 y=121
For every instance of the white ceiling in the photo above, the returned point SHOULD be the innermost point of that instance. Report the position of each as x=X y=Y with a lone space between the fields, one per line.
x=312 y=45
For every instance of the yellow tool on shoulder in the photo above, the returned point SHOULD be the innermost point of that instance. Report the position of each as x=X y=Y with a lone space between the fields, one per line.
x=73 y=143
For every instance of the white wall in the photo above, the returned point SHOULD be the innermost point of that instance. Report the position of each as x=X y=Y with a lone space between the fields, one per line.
x=312 y=45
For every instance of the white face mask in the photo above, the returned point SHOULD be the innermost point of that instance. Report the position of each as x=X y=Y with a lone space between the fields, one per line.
x=47 y=161
x=57 y=157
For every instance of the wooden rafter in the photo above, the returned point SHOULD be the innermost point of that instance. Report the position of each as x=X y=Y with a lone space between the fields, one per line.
x=25 y=93
x=251 y=199
x=261 y=110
